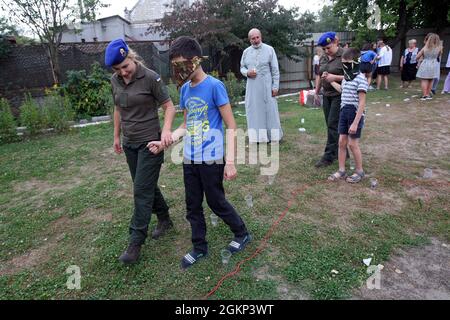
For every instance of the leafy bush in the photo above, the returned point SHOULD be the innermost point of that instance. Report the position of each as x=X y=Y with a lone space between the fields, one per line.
x=173 y=92
x=58 y=112
x=7 y=122
x=89 y=94
x=235 y=88
x=31 y=115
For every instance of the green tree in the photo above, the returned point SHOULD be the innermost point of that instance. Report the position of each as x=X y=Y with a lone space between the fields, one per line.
x=397 y=17
x=5 y=30
x=224 y=25
x=47 y=19
x=327 y=20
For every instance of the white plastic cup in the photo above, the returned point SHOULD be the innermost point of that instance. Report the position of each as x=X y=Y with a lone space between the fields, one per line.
x=214 y=219
x=352 y=164
x=302 y=120
x=427 y=173
x=373 y=183
x=226 y=255
x=249 y=200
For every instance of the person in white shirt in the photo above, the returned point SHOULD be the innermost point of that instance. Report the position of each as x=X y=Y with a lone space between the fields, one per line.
x=384 y=64
x=316 y=65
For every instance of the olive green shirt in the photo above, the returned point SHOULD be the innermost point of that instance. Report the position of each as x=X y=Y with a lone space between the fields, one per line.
x=333 y=66
x=137 y=103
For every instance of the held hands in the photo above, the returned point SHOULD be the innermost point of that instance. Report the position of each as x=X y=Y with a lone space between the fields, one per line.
x=166 y=138
x=155 y=147
x=230 y=171
x=158 y=146
x=274 y=92
x=328 y=77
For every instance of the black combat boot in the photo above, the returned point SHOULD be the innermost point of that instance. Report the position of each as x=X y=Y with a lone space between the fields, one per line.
x=164 y=224
x=131 y=255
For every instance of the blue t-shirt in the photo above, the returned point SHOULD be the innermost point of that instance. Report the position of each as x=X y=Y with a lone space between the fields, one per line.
x=367 y=56
x=204 y=138
x=378 y=52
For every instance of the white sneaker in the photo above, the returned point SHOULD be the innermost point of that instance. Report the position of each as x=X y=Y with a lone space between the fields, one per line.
x=429 y=98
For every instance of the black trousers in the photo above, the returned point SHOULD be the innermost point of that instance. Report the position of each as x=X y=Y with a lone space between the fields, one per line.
x=331 y=110
x=207 y=179
x=144 y=168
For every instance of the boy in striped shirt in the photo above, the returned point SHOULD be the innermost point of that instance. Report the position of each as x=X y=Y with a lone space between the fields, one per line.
x=351 y=119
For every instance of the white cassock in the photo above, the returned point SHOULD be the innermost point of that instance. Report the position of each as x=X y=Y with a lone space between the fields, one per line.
x=263 y=120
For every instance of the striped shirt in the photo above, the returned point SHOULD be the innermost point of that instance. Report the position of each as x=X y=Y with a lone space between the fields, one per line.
x=350 y=90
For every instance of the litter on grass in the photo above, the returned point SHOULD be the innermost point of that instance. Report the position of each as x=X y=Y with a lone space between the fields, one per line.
x=367 y=261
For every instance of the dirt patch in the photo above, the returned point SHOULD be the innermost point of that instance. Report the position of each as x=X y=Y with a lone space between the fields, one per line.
x=58 y=229
x=412 y=130
x=338 y=201
x=415 y=273
x=425 y=190
x=44 y=186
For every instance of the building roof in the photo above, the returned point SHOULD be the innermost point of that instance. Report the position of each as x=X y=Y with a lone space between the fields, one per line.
x=115 y=16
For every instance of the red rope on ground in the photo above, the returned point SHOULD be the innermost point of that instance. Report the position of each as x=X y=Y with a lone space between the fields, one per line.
x=261 y=246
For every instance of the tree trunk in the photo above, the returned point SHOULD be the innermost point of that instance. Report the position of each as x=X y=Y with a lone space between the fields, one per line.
x=402 y=25
x=52 y=52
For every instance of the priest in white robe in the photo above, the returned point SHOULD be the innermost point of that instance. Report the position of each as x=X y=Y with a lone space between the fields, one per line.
x=259 y=65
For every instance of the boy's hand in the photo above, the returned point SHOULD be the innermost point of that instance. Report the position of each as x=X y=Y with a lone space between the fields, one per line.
x=353 y=128
x=166 y=138
x=155 y=147
x=230 y=171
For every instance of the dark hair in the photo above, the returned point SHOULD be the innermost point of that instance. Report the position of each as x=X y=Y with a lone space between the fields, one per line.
x=367 y=47
x=351 y=54
x=185 y=47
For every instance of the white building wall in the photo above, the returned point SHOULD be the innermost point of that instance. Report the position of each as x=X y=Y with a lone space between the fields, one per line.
x=100 y=30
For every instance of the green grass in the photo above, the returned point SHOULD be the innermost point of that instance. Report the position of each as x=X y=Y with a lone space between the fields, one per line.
x=71 y=191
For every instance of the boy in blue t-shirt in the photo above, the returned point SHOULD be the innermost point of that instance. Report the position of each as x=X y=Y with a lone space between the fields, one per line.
x=205 y=103
x=367 y=61
x=351 y=118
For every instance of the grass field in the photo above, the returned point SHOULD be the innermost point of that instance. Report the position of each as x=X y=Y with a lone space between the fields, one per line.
x=67 y=200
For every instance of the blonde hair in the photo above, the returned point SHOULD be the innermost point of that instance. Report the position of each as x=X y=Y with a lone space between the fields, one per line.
x=433 y=42
x=319 y=51
x=135 y=57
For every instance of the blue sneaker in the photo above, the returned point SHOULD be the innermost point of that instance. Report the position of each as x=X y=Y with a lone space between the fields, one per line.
x=190 y=258
x=238 y=244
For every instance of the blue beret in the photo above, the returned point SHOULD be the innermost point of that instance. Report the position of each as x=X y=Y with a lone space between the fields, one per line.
x=116 y=52
x=326 y=38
